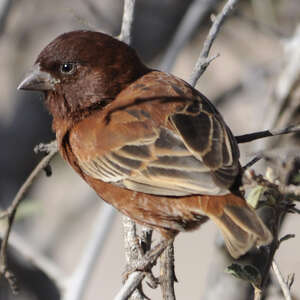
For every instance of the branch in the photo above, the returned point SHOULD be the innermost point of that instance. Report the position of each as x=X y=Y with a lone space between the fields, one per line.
x=75 y=285
x=195 y=14
x=246 y=138
x=257 y=293
x=132 y=255
x=203 y=61
x=281 y=205
x=11 y=211
x=144 y=262
x=280 y=110
x=130 y=285
x=284 y=287
x=128 y=18
x=167 y=274
x=252 y=162
x=136 y=277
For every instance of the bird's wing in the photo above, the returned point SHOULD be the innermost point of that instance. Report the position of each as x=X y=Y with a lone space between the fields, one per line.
x=170 y=146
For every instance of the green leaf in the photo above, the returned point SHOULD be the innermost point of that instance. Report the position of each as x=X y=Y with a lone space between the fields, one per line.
x=235 y=270
x=248 y=273
x=255 y=195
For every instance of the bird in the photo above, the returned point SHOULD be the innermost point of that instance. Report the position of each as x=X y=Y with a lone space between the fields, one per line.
x=146 y=141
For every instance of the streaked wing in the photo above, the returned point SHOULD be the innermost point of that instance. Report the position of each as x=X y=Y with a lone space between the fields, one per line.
x=206 y=135
x=160 y=145
x=163 y=166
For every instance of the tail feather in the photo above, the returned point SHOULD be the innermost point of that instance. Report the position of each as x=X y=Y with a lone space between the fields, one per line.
x=242 y=228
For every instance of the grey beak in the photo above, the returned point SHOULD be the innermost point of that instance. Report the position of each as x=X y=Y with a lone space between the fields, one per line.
x=37 y=80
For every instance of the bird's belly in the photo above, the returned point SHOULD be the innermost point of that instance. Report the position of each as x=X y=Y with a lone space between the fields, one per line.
x=164 y=213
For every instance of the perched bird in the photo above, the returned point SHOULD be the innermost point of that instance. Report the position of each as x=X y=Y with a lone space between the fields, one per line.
x=146 y=141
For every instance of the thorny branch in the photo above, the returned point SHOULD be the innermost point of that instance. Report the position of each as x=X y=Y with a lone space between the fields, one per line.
x=74 y=285
x=145 y=262
x=167 y=273
x=200 y=67
x=203 y=60
x=284 y=286
x=280 y=113
x=276 y=108
x=11 y=212
x=132 y=255
x=132 y=286
x=51 y=148
x=279 y=198
x=246 y=138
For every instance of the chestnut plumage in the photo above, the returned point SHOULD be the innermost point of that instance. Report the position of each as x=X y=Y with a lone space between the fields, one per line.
x=146 y=141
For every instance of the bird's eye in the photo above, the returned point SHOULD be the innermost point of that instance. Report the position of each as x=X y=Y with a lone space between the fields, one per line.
x=67 y=68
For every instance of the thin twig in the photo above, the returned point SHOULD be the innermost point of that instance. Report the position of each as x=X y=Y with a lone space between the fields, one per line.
x=284 y=287
x=257 y=293
x=246 y=138
x=73 y=287
x=185 y=29
x=211 y=37
x=252 y=162
x=280 y=209
x=251 y=179
x=195 y=14
x=130 y=285
x=11 y=211
x=132 y=255
x=146 y=262
x=203 y=60
x=128 y=18
x=167 y=274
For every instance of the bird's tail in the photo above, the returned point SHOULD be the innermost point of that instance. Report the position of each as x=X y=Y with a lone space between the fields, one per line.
x=242 y=228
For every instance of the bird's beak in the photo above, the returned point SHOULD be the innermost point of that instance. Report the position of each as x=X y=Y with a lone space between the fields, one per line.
x=37 y=80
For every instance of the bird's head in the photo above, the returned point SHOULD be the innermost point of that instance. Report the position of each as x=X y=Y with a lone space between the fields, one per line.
x=81 y=70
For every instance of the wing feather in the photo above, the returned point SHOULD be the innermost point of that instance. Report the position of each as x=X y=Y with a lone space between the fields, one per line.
x=164 y=167
x=165 y=148
x=207 y=136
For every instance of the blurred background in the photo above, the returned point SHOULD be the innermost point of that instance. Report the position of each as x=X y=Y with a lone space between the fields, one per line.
x=258 y=45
